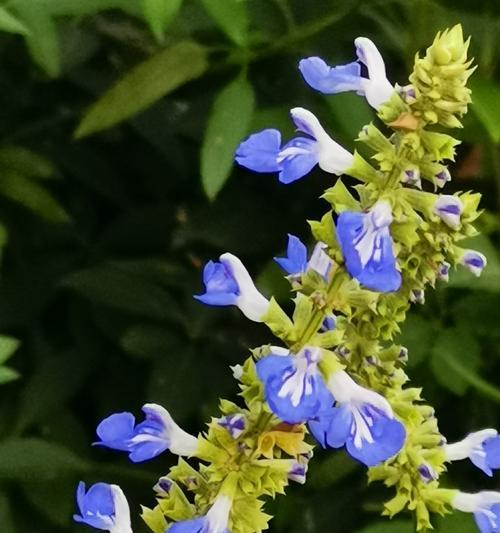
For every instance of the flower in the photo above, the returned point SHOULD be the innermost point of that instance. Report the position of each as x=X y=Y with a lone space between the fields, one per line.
x=331 y=80
x=362 y=420
x=442 y=177
x=295 y=263
x=443 y=271
x=449 y=209
x=229 y=283
x=474 y=261
x=481 y=447
x=103 y=507
x=293 y=386
x=299 y=468
x=411 y=176
x=215 y=521
x=234 y=423
x=263 y=151
x=163 y=486
x=427 y=473
x=148 y=439
x=486 y=508
x=367 y=247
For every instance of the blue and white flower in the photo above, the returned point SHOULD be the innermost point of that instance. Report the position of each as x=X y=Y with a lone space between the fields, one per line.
x=293 y=386
x=234 y=423
x=163 y=486
x=296 y=263
x=229 y=283
x=331 y=80
x=442 y=177
x=148 y=439
x=474 y=261
x=481 y=447
x=103 y=507
x=362 y=420
x=264 y=152
x=367 y=246
x=449 y=209
x=411 y=176
x=427 y=473
x=443 y=271
x=299 y=468
x=215 y=521
x=485 y=506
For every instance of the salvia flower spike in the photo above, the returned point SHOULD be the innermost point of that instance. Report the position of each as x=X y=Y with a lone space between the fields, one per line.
x=335 y=377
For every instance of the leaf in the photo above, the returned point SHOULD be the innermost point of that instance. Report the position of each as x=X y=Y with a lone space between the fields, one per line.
x=227 y=125
x=8 y=374
x=159 y=13
x=26 y=162
x=231 y=16
x=455 y=360
x=351 y=113
x=42 y=39
x=456 y=523
x=485 y=98
x=330 y=471
x=11 y=24
x=116 y=288
x=6 y=514
x=417 y=335
x=78 y=8
x=33 y=196
x=146 y=341
x=33 y=459
x=8 y=345
x=145 y=84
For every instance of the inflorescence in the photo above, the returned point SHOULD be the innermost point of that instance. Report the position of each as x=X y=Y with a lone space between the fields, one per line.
x=335 y=373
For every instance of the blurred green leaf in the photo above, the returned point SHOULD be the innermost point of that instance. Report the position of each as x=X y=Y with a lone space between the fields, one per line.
x=159 y=13
x=56 y=501
x=32 y=195
x=231 y=16
x=34 y=459
x=417 y=335
x=26 y=162
x=228 y=123
x=146 y=340
x=11 y=24
x=6 y=514
x=350 y=113
x=455 y=360
x=485 y=98
x=8 y=345
x=398 y=526
x=116 y=288
x=78 y=8
x=323 y=474
x=145 y=84
x=42 y=39
x=456 y=523
x=8 y=374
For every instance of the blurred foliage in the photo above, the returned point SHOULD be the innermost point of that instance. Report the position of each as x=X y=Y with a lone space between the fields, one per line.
x=119 y=120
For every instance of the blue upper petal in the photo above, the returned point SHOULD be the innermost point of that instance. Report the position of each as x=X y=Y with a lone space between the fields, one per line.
x=492 y=450
x=275 y=371
x=330 y=80
x=260 y=151
x=98 y=501
x=297 y=158
x=296 y=260
x=379 y=273
x=483 y=522
x=388 y=436
x=332 y=427
x=116 y=430
x=220 y=286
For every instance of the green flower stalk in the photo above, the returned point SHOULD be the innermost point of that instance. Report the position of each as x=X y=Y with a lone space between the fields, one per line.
x=336 y=376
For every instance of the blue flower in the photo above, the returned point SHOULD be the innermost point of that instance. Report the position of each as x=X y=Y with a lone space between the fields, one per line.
x=103 y=507
x=293 y=386
x=484 y=505
x=229 y=283
x=331 y=80
x=234 y=423
x=215 y=521
x=362 y=420
x=449 y=209
x=367 y=247
x=443 y=271
x=148 y=439
x=296 y=262
x=264 y=152
x=481 y=447
x=474 y=261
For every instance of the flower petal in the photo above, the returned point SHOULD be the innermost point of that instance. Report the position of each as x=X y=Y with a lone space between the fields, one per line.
x=330 y=80
x=259 y=152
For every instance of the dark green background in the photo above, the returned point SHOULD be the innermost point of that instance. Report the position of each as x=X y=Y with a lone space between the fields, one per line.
x=106 y=237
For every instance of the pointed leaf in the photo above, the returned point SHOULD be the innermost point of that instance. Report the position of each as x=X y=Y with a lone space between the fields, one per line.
x=485 y=98
x=159 y=13
x=8 y=345
x=231 y=16
x=228 y=123
x=12 y=24
x=8 y=374
x=145 y=84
